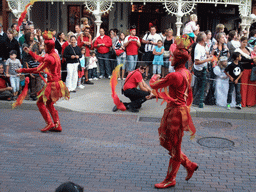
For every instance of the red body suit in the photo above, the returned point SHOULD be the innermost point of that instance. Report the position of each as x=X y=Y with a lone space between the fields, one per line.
x=53 y=90
x=175 y=121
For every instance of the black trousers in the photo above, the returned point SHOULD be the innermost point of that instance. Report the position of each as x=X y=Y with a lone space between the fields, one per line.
x=136 y=96
x=4 y=95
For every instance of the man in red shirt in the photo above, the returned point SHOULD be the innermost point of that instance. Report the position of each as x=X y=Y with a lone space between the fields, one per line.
x=85 y=39
x=132 y=44
x=102 y=44
x=137 y=96
x=5 y=90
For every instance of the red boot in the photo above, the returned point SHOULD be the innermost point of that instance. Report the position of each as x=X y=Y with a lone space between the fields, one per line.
x=189 y=165
x=191 y=171
x=171 y=175
x=45 y=113
x=55 y=117
x=48 y=127
x=57 y=127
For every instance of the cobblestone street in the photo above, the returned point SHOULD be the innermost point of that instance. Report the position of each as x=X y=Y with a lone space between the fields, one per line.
x=119 y=152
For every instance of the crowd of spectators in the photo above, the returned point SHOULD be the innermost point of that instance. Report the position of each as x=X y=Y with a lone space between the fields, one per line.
x=86 y=58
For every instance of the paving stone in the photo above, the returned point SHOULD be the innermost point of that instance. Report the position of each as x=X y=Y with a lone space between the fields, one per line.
x=115 y=152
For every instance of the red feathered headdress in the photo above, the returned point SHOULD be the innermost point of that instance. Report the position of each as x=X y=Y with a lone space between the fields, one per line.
x=48 y=41
x=181 y=54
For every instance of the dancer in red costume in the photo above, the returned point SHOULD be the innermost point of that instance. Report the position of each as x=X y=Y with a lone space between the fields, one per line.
x=176 y=118
x=54 y=88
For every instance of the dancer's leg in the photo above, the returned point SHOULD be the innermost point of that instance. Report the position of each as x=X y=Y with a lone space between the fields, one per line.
x=55 y=116
x=45 y=113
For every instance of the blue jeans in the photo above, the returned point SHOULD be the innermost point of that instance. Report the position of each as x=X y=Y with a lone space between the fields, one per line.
x=92 y=73
x=157 y=69
x=15 y=83
x=121 y=60
x=131 y=62
x=232 y=85
x=104 y=64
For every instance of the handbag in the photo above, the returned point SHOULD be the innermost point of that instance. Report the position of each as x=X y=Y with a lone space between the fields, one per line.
x=253 y=74
x=167 y=54
x=119 y=52
x=79 y=67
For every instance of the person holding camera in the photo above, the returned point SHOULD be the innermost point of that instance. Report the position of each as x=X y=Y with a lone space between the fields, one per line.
x=150 y=41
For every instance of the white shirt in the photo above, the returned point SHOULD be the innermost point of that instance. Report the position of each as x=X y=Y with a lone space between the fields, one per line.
x=190 y=27
x=150 y=37
x=200 y=54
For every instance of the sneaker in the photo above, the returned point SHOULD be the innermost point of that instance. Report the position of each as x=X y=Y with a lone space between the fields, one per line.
x=90 y=79
x=95 y=78
x=228 y=106
x=114 y=108
x=239 y=106
x=124 y=79
x=109 y=76
x=101 y=77
x=119 y=79
x=88 y=82
x=81 y=87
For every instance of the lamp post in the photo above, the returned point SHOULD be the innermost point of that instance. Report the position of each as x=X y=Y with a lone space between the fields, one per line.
x=98 y=8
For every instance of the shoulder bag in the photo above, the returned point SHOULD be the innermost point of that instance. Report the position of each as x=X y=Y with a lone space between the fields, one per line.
x=79 y=65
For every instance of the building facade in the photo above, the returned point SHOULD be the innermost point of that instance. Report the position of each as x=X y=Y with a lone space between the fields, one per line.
x=63 y=16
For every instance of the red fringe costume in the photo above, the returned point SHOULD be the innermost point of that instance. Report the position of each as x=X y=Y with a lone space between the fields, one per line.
x=176 y=118
x=54 y=88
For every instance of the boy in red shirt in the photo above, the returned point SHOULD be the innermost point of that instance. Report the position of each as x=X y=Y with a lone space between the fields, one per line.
x=132 y=44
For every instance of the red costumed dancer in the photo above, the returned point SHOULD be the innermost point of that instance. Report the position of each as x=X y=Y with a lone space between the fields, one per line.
x=176 y=118
x=54 y=88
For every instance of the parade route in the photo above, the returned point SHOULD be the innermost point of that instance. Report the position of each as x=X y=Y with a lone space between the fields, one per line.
x=121 y=152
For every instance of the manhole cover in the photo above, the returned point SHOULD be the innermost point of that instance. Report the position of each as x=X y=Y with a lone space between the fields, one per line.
x=150 y=119
x=215 y=124
x=215 y=142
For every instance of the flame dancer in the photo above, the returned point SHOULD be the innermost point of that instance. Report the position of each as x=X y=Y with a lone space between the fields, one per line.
x=54 y=88
x=176 y=118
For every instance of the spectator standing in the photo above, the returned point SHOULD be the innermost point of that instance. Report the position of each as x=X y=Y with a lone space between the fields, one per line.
x=252 y=39
x=11 y=65
x=3 y=39
x=234 y=71
x=102 y=44
x=248 y=90
x=11 y=44
x=132 y=44
x=150 y=40
x=169 y=40
x=78 y=31
x=15 y=32
x=121 y=54
x=5 y=89
x=219 y=29
x=158 y=57
x=63 y=62
x=72 y=53
x=114 y=37
x=85 y=39
x=81 y=73
x=233 y=42
x=59 y=42
x=92 y=67
x=191 y=26
x=29 y=62
x=220 y=48
x=201 y=61
x=221 y=88
x=208 y=43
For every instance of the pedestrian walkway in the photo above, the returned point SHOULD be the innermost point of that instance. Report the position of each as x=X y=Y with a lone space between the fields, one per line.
x=121 y=153
x=97 y=99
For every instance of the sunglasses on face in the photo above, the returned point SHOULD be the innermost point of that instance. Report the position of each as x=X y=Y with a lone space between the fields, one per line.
x=143 y=68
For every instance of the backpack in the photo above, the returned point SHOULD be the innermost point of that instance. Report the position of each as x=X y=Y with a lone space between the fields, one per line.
x=192 y=53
